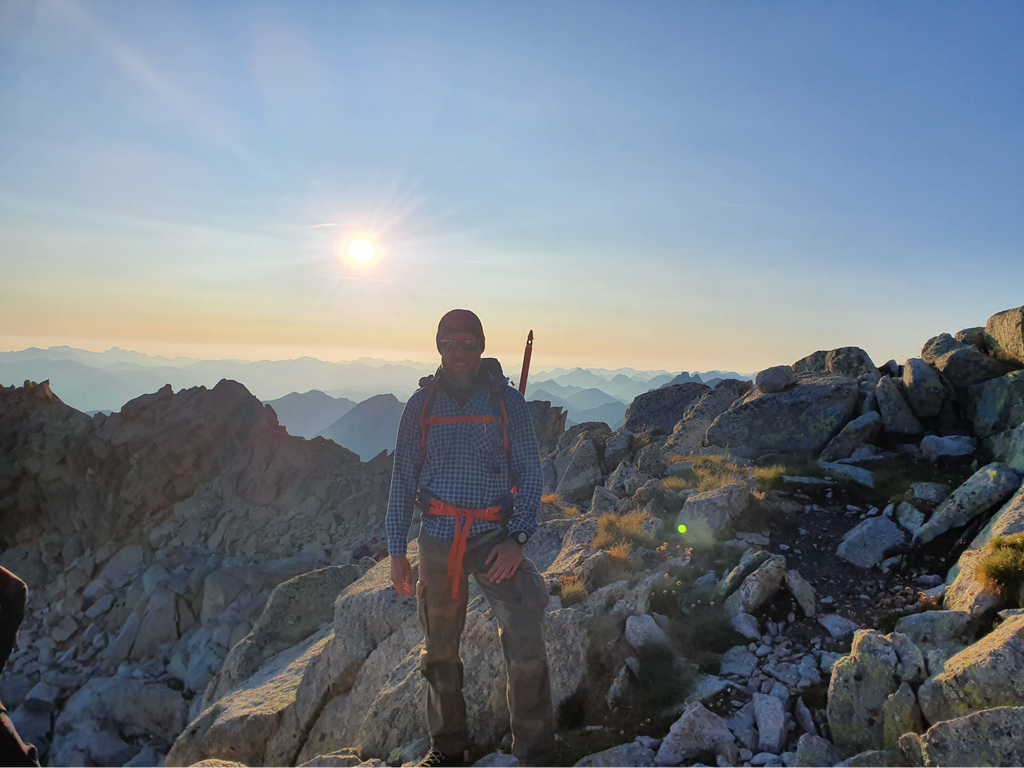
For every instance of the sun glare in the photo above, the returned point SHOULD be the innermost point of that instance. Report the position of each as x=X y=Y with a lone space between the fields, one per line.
x=360 y=250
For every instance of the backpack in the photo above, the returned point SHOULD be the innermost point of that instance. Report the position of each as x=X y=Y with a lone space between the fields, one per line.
x=492 y=367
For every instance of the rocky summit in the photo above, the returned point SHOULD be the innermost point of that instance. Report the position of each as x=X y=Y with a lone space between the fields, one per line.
x=824 y=568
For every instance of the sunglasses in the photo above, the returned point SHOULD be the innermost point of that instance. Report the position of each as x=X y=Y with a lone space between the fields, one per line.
x=470 y=345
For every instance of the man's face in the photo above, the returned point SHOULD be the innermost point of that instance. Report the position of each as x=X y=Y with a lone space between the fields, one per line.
x=460 y=365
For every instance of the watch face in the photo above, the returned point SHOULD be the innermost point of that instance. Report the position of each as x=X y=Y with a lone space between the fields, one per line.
x=521 y=537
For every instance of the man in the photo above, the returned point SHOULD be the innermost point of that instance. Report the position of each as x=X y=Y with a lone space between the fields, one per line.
x=465 y=440
x=13 y=594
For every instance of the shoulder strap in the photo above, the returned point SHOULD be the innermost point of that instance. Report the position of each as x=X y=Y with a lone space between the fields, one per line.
x=427 y=412
x=501 y=422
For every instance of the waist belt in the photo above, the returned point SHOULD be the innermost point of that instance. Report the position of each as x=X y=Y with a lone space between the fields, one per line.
x=464 y=519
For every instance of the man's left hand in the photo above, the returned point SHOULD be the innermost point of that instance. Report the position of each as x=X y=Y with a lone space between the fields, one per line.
x=507 y=557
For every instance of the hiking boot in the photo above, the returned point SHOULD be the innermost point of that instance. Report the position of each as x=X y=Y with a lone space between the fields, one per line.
x=436 y=757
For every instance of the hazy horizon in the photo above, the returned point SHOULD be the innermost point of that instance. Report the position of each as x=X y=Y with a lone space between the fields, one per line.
x=655 y=185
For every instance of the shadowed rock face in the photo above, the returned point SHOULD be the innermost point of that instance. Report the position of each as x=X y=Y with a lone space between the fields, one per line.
x=662 y=408
x=801 y=419
x=1005 y=336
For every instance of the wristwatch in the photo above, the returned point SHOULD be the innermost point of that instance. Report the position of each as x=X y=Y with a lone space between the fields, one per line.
x=520 y=538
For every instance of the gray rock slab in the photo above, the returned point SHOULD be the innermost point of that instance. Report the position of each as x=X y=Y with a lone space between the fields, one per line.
x=897 y=416
x=867 y=544
x=861 y=430
x=989 y=486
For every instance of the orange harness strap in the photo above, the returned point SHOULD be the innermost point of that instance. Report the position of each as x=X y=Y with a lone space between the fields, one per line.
x=464 y=519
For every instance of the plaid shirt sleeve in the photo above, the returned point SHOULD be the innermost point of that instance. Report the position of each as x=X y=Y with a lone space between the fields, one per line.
x=408 y=463
x=525 y=464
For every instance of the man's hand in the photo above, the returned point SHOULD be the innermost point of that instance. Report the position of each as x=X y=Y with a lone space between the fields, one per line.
x=401 y=575
x=506 y=556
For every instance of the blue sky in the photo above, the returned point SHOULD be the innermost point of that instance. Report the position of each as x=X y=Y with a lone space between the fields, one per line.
x=661 y=185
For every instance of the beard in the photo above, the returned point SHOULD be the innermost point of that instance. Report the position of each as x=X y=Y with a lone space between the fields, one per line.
x=461 y=384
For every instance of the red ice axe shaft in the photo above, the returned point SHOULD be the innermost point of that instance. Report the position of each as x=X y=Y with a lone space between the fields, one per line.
x=526 y=364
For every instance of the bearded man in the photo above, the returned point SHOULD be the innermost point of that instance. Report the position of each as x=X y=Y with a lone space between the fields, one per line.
x=467 y=456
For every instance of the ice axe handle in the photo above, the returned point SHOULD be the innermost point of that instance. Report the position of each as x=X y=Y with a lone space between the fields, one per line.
x=526 y=364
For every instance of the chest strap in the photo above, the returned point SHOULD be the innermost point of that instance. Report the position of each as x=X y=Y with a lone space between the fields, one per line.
x=464 y=519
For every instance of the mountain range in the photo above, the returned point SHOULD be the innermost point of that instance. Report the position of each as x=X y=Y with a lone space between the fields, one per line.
x=314 y=397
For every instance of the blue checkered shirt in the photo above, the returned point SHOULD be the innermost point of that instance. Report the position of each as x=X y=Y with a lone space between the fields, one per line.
x=465 y=466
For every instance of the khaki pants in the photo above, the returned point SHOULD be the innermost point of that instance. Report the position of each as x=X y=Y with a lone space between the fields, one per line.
x=518 y=604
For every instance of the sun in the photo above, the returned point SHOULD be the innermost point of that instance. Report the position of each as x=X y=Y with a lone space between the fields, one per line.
x=361 y=250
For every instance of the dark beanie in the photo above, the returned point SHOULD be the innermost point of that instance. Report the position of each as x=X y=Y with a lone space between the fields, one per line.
x=460 y=321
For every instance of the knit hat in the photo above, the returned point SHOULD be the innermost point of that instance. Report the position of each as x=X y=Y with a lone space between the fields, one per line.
x=460 y=321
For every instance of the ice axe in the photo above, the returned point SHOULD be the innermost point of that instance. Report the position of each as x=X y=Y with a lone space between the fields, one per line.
x=526 y=364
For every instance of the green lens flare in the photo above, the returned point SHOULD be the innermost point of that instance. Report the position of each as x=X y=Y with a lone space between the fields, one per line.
x=682 y=529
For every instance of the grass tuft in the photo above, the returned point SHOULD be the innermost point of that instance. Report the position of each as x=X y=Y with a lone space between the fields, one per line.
x=550 y=498
x=615 y=529
x=570 y=512
x=1003 y=564
x=571 y=591
x=770 y=476
x=676 y=484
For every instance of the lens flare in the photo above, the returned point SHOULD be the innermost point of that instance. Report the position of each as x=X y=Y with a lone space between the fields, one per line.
x=681 y=528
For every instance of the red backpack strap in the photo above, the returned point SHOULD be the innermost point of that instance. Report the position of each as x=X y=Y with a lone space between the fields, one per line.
x=426 y=413
x=501 y=422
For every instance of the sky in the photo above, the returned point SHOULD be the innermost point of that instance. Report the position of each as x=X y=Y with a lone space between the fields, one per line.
x=660 y=185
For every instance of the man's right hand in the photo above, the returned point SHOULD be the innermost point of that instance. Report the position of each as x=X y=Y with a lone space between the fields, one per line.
x=401 y=575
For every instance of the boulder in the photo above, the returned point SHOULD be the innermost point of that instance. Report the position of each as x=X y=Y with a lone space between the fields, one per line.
x=923 y=387
x=970 y=591
x=625 y=480
x=990 y=737
x=548 y=423
x=624 y=754
x=936 y=493
x=939 y=635
x=758 y=588
x=295 y=610
x=812 y=751
x=650 y=460
x=962 y=365
x=1006 y=522
x=738 y=660
x=897 y=417
x=900 y=714
x=712 y=512
x=617 y=449
x=802 y=592
x=910 y=518
x=582 y=471
x=853 y=474
x=775 y=379
x=862 y=683
x=997 y=405
x=802 y=419
x=220 y=589
x=934 y=446
x=867 y=544
x=770 y=714
x=134 y=707
x=662 y=408
x=159 y=625
x=749 y=562
x=813 y=363
x=849 y=361
x=122 y=566
x=976 y=337
x=642 y=632
x=989 y=486
x=1008 y=447
x=603 y=501
x=239 y=726
x=987 y=674
x=697 y=735
x=874 y=758
x=1006 y=336
x=861 y=430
